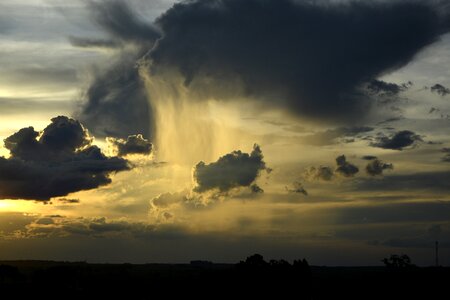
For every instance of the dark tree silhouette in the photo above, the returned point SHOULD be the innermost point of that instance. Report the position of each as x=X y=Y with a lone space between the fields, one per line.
x=398 y=261
x=276 y=278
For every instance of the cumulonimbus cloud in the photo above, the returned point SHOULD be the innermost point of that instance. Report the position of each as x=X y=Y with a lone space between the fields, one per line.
x=314 y=58
x=309 y=56
x=58 y=161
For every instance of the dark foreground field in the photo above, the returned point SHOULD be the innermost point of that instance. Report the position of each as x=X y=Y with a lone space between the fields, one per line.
x=251 y=279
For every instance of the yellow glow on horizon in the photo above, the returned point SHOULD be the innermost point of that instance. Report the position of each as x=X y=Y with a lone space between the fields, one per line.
x=17 y=206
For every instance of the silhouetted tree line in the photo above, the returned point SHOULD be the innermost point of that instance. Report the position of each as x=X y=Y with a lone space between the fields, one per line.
x=276 y=277
x=252 y=278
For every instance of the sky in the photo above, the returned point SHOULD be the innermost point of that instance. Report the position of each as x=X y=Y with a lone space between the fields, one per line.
x=169 y=131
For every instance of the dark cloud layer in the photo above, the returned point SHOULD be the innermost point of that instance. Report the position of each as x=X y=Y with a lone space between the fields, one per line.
x=397 y=141
x=235 y=169
x=58 y=161
x=311 y=56
x=134 y=144
x=116 y=104
x=376 y=167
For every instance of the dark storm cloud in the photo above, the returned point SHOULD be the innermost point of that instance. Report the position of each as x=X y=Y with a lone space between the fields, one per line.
x=440 y=90
x=134 y=144
x=121 y=22
x=57 y=141
x=330 y=136
x=235 y=169
x=116 y=104
x=446 y=157
x=376 y=167
x=345 y=168
x=381 y=87
x=311 y=56
x=429 y=181
x=58 y=161
x=397 y=141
